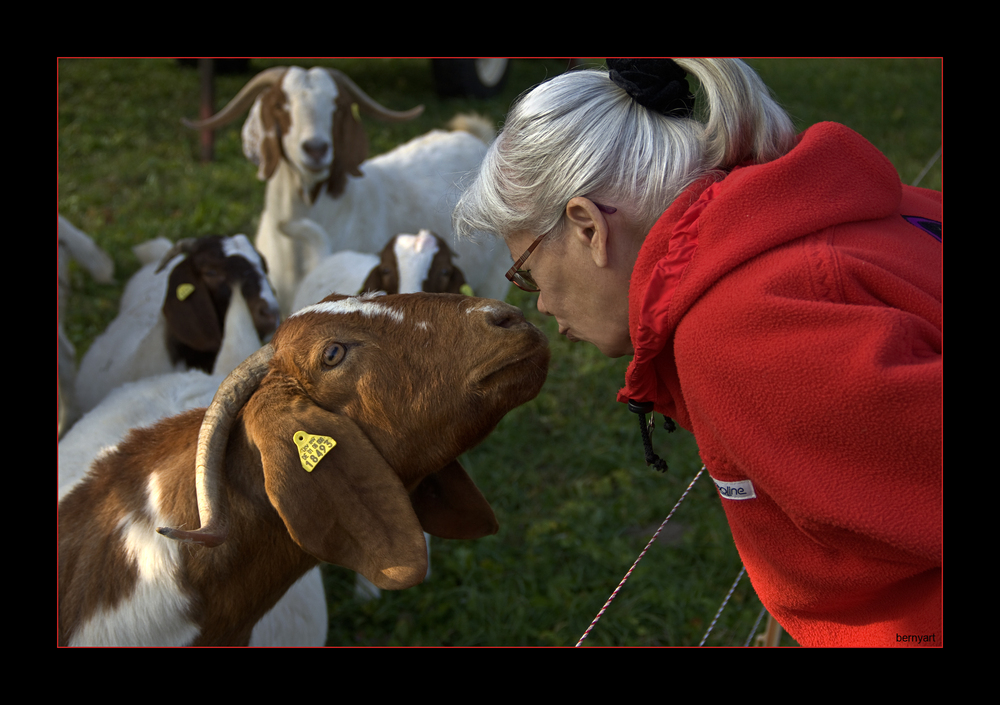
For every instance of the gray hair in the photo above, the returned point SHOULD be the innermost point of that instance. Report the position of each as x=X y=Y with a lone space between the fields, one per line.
x=579 y=134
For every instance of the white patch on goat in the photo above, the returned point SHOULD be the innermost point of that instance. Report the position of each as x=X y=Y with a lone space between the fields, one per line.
x=240 y=245
x=353 y=305
x=154 y=614
x=414 y=254
x=482 y=307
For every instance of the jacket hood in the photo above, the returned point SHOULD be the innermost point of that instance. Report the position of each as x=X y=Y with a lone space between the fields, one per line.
x=716 y=226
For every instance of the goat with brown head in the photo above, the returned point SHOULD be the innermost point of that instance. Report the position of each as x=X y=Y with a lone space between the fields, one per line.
x=307 y=118
x=323 y=196
x=336 y=443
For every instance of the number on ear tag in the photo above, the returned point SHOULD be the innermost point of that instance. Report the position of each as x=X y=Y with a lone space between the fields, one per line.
x=184 y=291
x=312 y=448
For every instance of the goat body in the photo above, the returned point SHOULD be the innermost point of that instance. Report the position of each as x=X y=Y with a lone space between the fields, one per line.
x=342 y=370
x=323 y=197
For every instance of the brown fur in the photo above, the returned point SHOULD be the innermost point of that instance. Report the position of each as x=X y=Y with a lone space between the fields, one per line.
x=350 y=144
x=276 y=121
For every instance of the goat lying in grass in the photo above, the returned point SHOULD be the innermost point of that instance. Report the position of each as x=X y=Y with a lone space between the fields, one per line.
x=305 y=134
x=407 y=264
x=338 y=443
x=172 y=316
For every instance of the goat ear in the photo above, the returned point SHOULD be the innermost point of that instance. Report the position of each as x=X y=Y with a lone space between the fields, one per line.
x=351 y=509
x=450 y=506
x=374 y=281
x=457 y=283
x=274 y=122
x=189 y=310
x=350 y=146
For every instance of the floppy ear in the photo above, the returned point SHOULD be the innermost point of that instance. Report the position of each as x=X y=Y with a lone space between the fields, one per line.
x=350 y=144
x=450 y=506
x=350 y=509
x=189 y=310
x=374 y=281
x=456 y=283
x=274 y=122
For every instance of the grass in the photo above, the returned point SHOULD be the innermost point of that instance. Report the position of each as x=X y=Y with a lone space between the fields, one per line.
x=564 y=473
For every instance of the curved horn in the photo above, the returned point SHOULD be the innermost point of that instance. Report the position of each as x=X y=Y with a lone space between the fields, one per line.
x=242 y=101
x=183 y=246
x=213 y=506
x=369 y=105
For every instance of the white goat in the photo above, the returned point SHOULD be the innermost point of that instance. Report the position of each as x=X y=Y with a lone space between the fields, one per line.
x=407 y=264
x=334 y=443
x=172 y=317
x=76 y=245
x=310 y=147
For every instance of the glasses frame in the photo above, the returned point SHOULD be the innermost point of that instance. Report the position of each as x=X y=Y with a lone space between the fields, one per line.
x=523 y=280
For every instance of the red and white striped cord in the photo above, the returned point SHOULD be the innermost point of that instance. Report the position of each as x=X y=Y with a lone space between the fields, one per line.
x=615 y=593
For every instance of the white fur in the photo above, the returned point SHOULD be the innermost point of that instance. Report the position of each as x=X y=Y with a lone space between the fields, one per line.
x=76 y=245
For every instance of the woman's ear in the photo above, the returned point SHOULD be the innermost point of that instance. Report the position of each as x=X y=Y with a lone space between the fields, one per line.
x=588 y=225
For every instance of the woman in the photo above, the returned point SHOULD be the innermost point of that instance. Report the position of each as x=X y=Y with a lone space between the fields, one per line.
x=781 y=295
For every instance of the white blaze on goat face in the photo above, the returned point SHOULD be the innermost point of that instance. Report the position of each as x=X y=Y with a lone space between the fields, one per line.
x=363 y=305
x=311 y=95
x=413 y=256
x=240 y=245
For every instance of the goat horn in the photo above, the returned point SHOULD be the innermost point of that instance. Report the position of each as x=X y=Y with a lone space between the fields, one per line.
x=369 y=105
x=213 y=505
x=242 y=101
x=183 y=246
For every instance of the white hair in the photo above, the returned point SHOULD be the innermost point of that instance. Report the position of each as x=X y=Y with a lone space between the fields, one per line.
x=579 y=134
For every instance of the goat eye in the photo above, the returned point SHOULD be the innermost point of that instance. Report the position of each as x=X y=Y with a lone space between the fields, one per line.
x=334 y=354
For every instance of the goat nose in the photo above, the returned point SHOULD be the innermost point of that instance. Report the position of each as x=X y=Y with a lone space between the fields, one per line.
x=316 y=148
x=506 y=317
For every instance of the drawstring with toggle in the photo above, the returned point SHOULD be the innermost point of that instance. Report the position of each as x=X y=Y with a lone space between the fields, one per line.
x=642 y=408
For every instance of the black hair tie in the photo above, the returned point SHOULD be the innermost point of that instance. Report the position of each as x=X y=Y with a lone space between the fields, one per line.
x=657 y=84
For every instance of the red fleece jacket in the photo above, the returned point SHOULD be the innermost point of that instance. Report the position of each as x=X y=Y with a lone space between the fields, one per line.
x=790 y=317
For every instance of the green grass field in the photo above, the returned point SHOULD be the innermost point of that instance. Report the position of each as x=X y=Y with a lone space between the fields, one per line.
x=564 y=473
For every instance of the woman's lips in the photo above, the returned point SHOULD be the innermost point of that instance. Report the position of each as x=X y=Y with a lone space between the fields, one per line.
x=564 y=330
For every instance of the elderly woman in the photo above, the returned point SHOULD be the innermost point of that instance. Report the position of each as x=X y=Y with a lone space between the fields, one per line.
x=781 y=295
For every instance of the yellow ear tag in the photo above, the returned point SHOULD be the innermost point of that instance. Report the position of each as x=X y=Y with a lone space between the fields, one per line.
x=184 y=291
x=466 y=289
x=312 y=448
x=356 y=112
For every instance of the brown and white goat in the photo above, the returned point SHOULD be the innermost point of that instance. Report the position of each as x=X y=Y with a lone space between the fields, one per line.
x=407 y=264
x=339 y=443
x=310 y=147
x=172 y=316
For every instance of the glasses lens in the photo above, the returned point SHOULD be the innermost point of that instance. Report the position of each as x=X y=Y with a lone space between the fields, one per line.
x=524 y=281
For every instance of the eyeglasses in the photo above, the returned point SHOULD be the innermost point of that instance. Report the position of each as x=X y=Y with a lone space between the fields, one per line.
x=522 y=277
